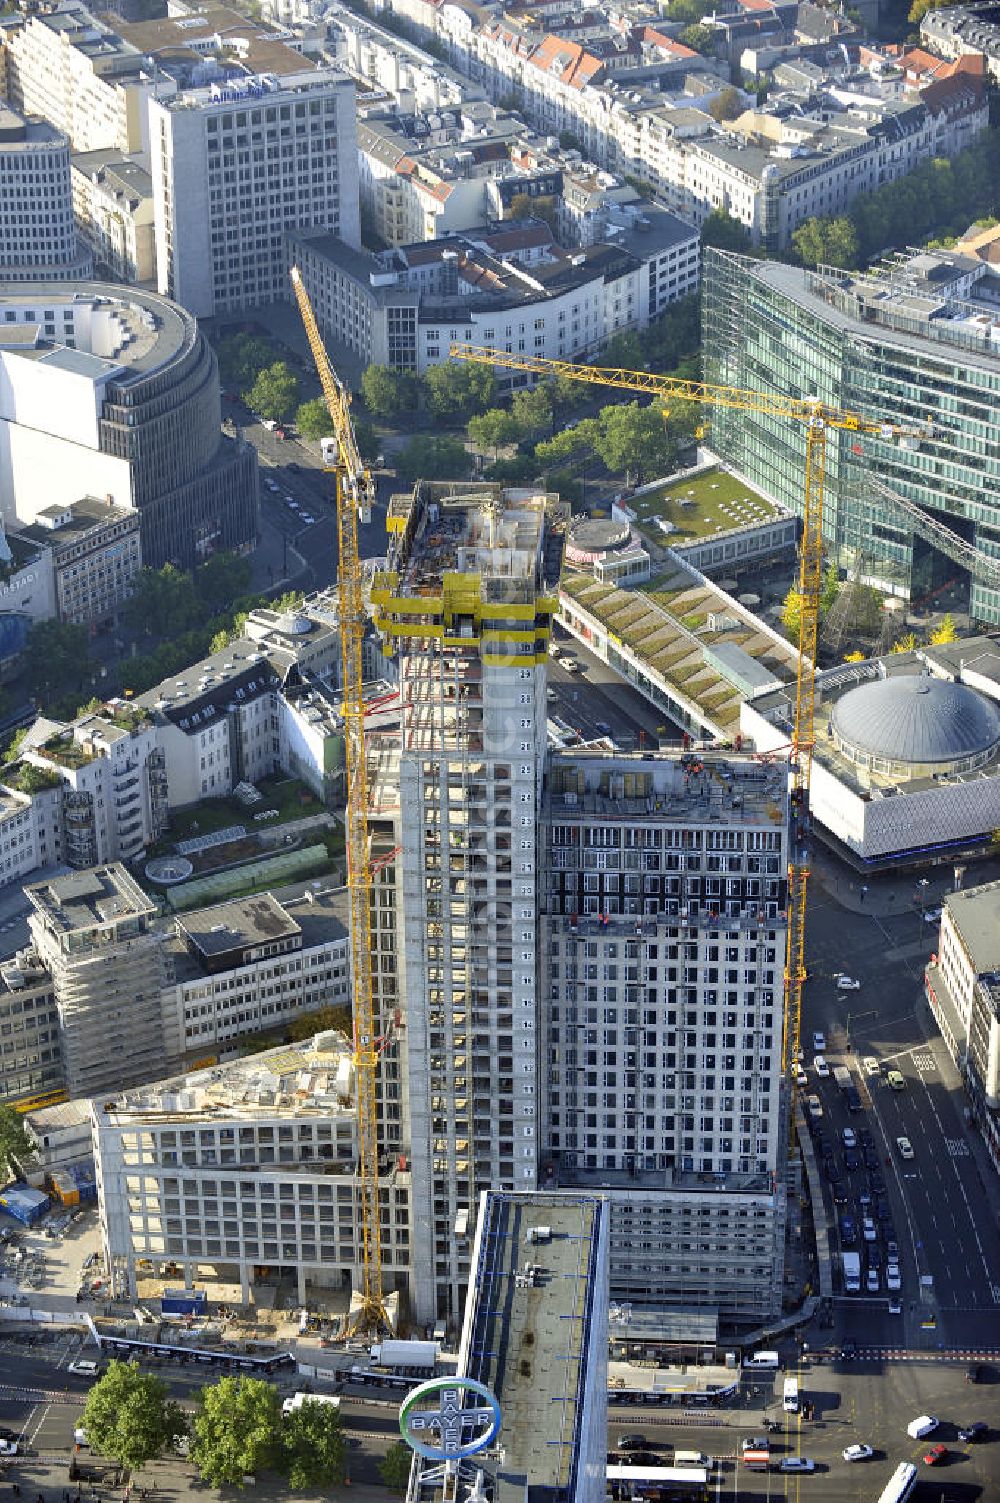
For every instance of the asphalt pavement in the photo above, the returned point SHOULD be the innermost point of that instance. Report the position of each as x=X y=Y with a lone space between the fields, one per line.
x=598 y=701
x=944 y=1202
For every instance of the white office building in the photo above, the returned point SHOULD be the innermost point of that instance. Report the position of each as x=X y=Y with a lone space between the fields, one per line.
x=234 y=166
x=38 y=240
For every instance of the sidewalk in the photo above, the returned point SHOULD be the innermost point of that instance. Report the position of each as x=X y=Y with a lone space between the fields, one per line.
x=883 y=896
x=164 y=1481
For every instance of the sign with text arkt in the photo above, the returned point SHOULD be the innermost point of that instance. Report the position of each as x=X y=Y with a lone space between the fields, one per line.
x=435 y=1419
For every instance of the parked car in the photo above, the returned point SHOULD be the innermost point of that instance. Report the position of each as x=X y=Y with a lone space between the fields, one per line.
x=977 y=1431
x=933 y=915
x=922 y=1426
x=633 y=1441
x=936 y=1455
x=981 y=1373
x=872 y=1282
x=8 y=1447
x=848 y=984
x=895 y=1305
x=893 y=1281
x=858 y=1452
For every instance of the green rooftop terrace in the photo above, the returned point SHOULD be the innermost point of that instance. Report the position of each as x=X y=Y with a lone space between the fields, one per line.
x=699 y=507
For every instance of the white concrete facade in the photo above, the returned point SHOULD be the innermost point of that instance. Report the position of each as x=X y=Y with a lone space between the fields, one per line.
x=38 y=240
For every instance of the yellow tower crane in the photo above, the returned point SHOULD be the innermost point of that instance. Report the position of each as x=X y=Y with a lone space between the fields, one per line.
x=817 y=418
x=355 y=494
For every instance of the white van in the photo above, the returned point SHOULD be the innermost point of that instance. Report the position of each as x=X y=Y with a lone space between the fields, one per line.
x=762 y=1360
x=790 y=1397
x=921 y=1427
x=692 y=1458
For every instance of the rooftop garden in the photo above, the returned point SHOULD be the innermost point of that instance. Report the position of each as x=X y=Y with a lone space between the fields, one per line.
x=27 y=778
x=65 y=751
x=700 y=507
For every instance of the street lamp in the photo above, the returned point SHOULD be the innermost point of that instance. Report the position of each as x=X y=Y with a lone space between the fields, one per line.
x=922 y=886
x=871 y=1013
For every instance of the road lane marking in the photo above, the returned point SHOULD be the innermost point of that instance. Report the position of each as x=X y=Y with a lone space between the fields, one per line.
x=958 y=1178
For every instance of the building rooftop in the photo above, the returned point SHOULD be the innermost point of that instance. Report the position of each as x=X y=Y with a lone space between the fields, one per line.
x=976 y=915
x=315 y=1075
x=239 y=924
x=694 y=788
x=916 y=719
x=65 y=1115
x=527 y=1335
x=184 y=39
x=203 y=692
x=139 y=331
x=61 y=527
x=102 y=895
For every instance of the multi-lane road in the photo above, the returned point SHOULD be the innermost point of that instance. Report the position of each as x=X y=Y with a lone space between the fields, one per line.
x=943 y=1215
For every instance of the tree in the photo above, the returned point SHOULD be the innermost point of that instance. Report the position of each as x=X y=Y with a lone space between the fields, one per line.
x=367 y=441
x=623 y=350
x=55 y=658
x=313 y=1446
x=727 y=104
x=388 y=392
x=15 y=1145
x=854 y=657
x=571 y=443
x=689 y=10
x=633 y=440
x=313 y=420
x=832 y=241
x=237 y=1430
x=831 y=588
x=130 y=1416
x=531 y=410
x=544 y=207
x=569 y=141
x=699 y=38
x=455 y=387
x=919 y=9
x=944 y=632
x=428 y=457
x=163 y=602
x=275 y=393
x=241 y=356
x=395 y=1467
x=791 y=612
x=722 y=230
x=222 y=579
x=908 y=643
x=493 y=430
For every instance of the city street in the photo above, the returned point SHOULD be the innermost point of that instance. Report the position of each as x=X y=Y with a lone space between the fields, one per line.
x=942 y=1217
x=586 y=702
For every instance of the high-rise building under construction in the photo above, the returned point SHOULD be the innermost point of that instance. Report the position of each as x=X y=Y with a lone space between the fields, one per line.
x=467 y=599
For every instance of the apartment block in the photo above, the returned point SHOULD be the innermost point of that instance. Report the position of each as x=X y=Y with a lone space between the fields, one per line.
x=113 y=204
x=38 y=239
x=93 y=932
x=249 y=1165
x=662 y=943
x=959 y=30
x=962 y=986
x=467 y=599
x=77 y=72
x=508 y=285
x=30 y=1051
x=236 y=164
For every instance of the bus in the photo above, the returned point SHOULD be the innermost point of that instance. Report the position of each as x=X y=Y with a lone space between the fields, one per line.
x=36 y=1103
x=667 y=1484
x=900 y=1485
x=258 y=1365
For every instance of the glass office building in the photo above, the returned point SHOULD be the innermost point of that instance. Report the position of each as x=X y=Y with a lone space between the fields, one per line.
x=918 y=341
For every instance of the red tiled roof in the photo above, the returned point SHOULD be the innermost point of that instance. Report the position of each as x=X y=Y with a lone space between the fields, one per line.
x=573 y=65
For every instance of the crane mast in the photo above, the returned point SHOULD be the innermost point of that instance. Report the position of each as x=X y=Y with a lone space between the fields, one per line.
x=354 y=499
x=818 y=418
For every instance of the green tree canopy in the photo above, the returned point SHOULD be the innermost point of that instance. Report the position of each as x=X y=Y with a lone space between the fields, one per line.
x=429 y=457
x=236 y=1431
x=56 y=660
x=791 y=613
x=834 y=242
x=388 y=392
x=275 y=392
x=313 y=420
x=831 y=588
x=727 y=104
x=571 y=443
x=494 y=430
x=394 y=1468
x=633 y=440
x=241 y=357
x=221 y=579
x=689 y=10
x=458 y=386
x=701 y=39
x=721 y=229
x=15 y=1145
x=531 y=410
x=163 y=602
x=130 y=1416
x=623 y=350
x=314 y=1451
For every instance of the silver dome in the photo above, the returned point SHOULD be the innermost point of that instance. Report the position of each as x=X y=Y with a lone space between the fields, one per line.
x=916 y=719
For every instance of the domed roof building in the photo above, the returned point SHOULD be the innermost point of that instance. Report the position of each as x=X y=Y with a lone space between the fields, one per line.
x=915 y=724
